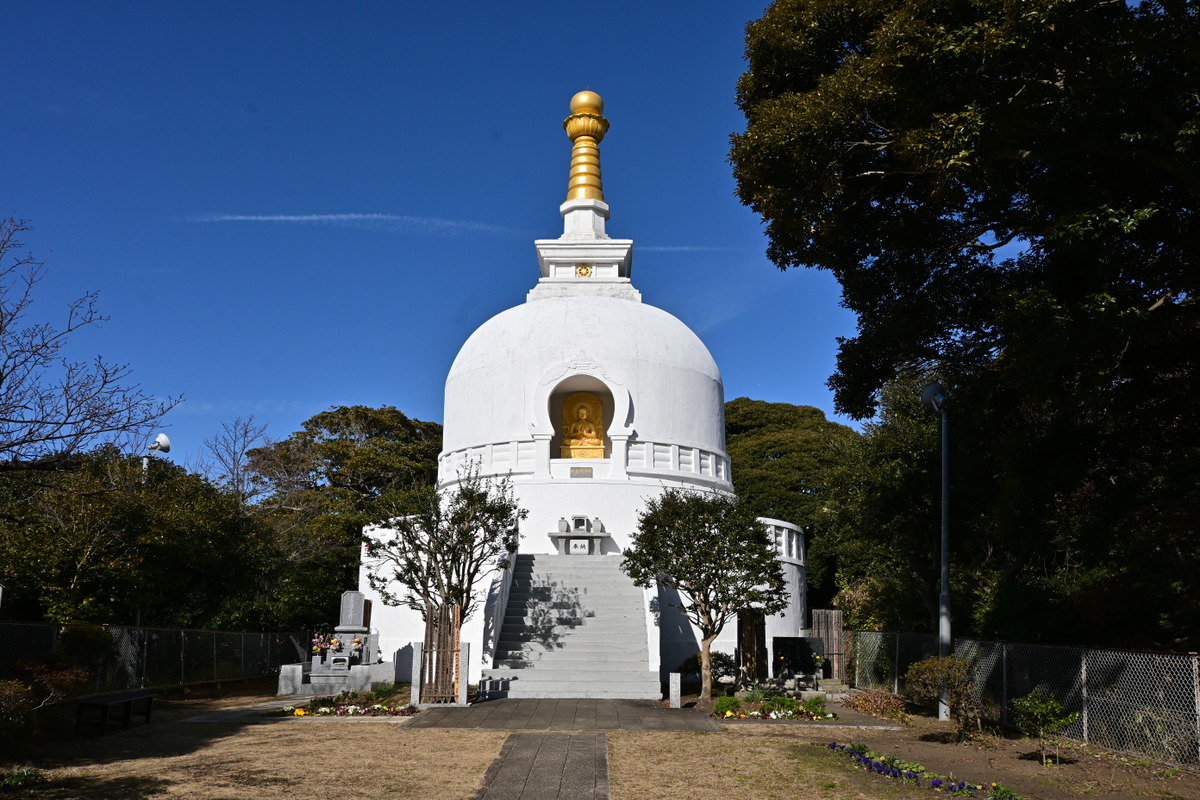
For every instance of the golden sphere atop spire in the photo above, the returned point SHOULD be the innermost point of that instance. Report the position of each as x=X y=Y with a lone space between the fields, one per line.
x=585 y=128
x=587 y=102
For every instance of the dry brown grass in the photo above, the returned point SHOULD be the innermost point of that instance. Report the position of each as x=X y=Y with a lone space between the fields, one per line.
x=290 y=758
x=744 y=763
x=268 y=758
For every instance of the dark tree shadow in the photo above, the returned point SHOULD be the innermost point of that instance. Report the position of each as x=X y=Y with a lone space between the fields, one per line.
x=73 y=788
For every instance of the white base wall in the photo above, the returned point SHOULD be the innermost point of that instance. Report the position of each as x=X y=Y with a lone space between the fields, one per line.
x=670 y=636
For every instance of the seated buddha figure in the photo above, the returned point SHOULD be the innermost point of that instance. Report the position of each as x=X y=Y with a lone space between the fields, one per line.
x=583 y=435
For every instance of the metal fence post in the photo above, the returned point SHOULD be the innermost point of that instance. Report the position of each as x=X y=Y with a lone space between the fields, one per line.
x=1196 y=697
x=896 y=666
x=1083 y=678
x=1004 y=683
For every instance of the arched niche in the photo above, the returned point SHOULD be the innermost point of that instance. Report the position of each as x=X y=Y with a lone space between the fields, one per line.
x=563 y=398
x=580 y=375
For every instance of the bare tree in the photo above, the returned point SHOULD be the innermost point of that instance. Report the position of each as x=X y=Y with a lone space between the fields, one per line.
x=52 y=407
x=229 y=450
x=434 y=558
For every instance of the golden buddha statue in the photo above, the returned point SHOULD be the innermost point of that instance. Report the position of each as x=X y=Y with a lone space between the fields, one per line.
x=583 y=427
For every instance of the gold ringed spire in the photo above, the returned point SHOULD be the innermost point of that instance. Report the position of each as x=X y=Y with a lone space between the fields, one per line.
x=586 y=128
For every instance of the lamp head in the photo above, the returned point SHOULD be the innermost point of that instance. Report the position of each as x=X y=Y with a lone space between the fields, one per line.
x=934 y=396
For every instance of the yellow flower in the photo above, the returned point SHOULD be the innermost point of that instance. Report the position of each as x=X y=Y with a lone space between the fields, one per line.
x=300 y=712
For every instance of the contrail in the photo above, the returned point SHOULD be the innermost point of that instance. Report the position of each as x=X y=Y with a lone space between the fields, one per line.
x=392 y=223
x=688 y=249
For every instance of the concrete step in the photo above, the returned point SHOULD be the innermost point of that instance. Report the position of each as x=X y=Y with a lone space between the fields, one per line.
x=622 y=668
x=562 y=639
x=541 y=623
x=582 y=651
x=588 y=693
x=574 y=676
x=507 y=683
x=573 y=627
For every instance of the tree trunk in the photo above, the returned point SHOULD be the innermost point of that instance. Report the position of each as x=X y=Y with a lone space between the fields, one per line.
x=706 y=679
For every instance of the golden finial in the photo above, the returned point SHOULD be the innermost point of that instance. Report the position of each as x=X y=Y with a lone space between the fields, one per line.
x=585 y=127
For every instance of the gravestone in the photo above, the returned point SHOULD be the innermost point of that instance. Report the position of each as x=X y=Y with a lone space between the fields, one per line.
x=797 y=655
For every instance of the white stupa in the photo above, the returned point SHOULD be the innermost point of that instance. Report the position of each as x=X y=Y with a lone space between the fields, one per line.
x=592 y=402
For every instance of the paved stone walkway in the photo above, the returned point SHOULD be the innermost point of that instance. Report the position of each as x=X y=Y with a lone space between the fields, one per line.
x=549 y=766
x=567 y=758
x=557 y=749
x=568 y=715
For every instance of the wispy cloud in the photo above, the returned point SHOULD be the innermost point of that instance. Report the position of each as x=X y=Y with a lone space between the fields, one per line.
x=389 y=223
x=687 y=249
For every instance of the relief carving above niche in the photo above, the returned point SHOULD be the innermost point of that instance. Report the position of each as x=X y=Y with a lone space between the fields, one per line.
x=583 y=426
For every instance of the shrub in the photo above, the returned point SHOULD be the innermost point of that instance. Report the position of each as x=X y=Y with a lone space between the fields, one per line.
x=1041 y=715
x=787 y=705
x=725 y=705
x=924 y=681
x=17 y=703
x=20 y=777
x=814 y=705
x=757 y=694
x=723 y=665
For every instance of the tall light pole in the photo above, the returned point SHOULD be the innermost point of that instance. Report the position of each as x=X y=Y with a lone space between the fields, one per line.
x=934 y=396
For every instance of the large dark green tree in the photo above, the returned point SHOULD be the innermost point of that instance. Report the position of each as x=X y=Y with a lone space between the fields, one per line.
x=347 y=467
x=109 y=542
x=1007 y=191
x=782 y=455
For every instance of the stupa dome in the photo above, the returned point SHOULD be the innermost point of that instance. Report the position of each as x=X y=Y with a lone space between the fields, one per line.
x=658 y=380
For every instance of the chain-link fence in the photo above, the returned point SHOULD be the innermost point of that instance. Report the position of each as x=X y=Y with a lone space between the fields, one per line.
x=122 y=658
x=1146 y=703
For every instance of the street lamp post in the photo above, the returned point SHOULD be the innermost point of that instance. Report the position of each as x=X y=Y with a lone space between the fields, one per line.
x=934 y=396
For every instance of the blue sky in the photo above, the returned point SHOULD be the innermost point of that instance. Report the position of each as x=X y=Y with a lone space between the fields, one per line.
x=288 y=206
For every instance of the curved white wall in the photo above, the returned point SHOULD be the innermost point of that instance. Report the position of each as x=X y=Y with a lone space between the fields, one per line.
x=661 y=375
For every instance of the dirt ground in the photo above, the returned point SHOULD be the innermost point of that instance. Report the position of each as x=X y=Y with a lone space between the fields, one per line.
x=380 y=758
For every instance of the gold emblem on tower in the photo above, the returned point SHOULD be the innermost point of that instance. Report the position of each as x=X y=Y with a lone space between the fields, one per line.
x=583 y=427
x=583 y=271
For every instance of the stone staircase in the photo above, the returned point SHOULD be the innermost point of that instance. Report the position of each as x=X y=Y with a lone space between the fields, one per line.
x=574 y=627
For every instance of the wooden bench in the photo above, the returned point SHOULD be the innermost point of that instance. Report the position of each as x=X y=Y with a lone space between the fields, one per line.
x=129 y=703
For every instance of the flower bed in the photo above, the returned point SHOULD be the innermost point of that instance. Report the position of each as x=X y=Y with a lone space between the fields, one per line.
x=772 y=707
x=351 y=710
x=915 y=774
x=386 y=701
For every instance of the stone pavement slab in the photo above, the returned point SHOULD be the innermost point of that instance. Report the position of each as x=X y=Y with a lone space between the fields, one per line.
x=568 y=715
x=549 y=766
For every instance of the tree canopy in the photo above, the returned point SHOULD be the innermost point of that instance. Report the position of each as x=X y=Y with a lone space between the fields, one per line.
x=1007 y=192
x=109 y=542
x=712 y=549
x=268 y=540
x=346 y=468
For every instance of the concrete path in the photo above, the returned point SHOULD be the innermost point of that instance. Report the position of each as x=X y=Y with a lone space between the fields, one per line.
x=567 y=758
x=568 y=715
x=549 y=766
